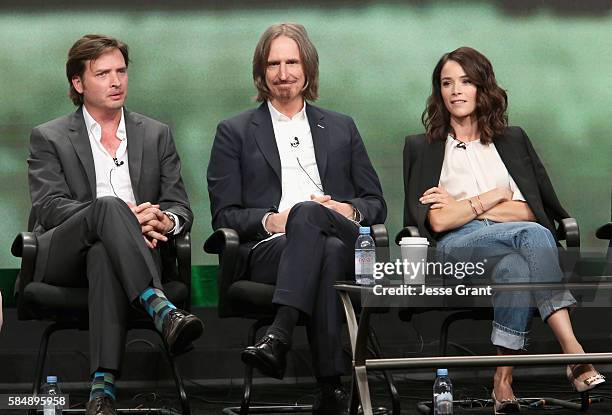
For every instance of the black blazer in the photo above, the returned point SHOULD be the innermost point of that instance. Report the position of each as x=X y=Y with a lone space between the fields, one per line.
x=423 y=164
x=244 y=173
x=62 y=176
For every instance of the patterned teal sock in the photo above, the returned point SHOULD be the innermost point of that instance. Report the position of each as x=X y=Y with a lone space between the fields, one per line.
x=157 y=305
x=103 y=384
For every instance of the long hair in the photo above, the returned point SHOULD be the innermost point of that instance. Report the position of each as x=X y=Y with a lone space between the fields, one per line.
x=308 y=56
x=89 y=47
x=491 y=100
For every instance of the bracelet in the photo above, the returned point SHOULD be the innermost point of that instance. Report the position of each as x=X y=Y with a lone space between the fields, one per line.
x=471 y=202
x=481 y=205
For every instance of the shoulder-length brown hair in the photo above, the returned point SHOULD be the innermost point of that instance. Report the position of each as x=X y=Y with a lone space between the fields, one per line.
x=90 y=47
x=308 y=56
x=491 y=100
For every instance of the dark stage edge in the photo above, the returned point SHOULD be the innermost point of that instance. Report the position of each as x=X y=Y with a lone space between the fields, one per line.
x=212 y=399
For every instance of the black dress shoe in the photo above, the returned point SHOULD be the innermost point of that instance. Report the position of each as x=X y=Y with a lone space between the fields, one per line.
x=180 y=328
x=330 y=401
x=268 y=355
x=102 y=405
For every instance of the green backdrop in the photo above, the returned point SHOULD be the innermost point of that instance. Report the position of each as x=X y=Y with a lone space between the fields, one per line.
x=192 y=69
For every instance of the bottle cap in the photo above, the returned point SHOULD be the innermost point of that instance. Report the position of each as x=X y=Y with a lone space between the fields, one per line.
x=51 y=379
x=442 y=372
x=364 y=230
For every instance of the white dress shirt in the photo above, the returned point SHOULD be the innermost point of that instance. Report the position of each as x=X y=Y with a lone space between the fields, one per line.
x=299 y=171
x=111 y=179
x=473 y=170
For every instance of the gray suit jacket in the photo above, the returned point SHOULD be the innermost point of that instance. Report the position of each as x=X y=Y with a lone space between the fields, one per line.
x=62 y=177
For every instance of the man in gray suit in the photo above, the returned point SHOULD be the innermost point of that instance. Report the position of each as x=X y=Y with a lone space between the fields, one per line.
x=106 y=194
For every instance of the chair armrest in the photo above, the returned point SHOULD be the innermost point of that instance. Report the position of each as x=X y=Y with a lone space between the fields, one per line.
x=182 y=242
x=408 y=231
x=605 y=231
x=380 y=235
x=568 y=230
x=25 y=246
x=381 y=239
x=222 y=240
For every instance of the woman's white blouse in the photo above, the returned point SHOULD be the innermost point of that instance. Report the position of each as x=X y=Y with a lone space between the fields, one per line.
x=473 y=170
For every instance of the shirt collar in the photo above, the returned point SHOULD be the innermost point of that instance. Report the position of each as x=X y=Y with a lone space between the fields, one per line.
x=278 y=116
x=94 y=128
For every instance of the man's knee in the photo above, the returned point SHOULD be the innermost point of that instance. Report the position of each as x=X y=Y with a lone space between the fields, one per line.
x=306 y=212
x=109 y=203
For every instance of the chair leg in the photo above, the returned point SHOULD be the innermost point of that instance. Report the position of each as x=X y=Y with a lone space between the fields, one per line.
x=248 y=372
x=461 y=315
x=42 y=357
x=178 y=381
x=246 y=392
x=388 y=376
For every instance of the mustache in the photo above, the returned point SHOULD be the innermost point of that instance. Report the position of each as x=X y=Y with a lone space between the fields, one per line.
x=283 y=81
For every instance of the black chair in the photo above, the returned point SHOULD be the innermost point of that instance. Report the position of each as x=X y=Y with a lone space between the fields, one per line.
x=252 y=300
x=605 y=232
x=66 y=307
x=568 y=231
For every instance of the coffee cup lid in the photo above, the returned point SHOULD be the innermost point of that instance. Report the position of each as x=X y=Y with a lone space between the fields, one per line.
x=414 y=240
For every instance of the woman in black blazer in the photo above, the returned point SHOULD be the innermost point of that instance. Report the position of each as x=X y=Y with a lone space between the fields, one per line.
x=477 y=189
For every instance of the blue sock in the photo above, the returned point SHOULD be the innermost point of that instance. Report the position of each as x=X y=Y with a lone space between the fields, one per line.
x=157 y=305
x=103 y=384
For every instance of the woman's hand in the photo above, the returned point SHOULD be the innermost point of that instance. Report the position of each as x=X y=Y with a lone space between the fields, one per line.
x=437 y=197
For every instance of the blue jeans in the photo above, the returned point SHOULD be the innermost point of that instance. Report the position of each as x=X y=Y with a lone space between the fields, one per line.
x=515 y=252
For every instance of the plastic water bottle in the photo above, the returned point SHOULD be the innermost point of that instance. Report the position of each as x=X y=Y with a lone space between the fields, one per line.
x=442 y=393
x=51 y=388
x=365 y=257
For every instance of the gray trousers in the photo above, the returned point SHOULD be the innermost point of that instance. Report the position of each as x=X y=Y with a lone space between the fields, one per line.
x=102 y=247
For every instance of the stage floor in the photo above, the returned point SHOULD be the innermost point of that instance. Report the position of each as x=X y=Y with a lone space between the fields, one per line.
x=206 y=399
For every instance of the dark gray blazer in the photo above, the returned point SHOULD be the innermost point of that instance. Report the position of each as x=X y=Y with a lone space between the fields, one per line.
x=423 y=165
x=62 y=177
x=244 y=173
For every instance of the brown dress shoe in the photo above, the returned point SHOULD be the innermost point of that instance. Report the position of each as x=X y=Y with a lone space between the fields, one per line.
x=180 y=328
x=102 y=405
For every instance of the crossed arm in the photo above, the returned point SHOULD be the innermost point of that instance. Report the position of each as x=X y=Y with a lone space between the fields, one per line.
x=446 y=213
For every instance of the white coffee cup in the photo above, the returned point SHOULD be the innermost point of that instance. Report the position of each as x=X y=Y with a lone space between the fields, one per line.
x=414 y=257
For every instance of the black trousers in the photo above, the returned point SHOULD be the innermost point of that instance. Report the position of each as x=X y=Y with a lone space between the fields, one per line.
x=316 y=251
x=102 y=247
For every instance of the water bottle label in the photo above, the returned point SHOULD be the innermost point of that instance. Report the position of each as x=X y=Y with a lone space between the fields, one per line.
x=444 y=396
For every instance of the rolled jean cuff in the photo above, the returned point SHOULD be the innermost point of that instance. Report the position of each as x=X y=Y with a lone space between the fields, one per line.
x=556 y=301
x=508 y=338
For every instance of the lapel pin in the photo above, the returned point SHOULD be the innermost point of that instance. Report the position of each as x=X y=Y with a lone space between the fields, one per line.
x=320 y=126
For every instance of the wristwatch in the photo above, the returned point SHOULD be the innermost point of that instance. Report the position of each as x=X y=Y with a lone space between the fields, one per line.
x=171 y=217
